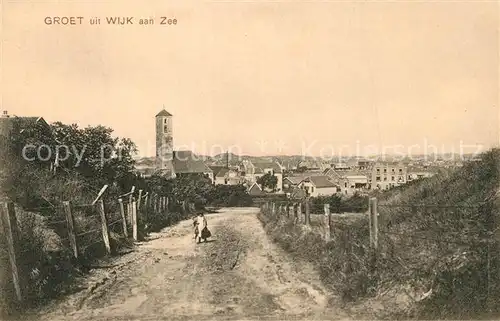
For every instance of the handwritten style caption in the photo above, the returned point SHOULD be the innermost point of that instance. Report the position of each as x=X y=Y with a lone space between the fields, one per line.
x=122 y=21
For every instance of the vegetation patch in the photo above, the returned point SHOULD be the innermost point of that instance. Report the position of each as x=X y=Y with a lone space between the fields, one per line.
x=438 y=247
x=39 y=189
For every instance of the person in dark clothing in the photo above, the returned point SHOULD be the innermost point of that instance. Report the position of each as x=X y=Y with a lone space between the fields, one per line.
x=205 y=232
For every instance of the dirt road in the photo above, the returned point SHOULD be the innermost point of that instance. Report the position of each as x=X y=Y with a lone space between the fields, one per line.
x=239 y=275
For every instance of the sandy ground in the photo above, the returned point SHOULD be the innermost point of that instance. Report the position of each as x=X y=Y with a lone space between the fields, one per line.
x=238 y=275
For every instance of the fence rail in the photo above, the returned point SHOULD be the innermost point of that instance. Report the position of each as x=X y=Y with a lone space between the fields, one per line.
x=128 y=211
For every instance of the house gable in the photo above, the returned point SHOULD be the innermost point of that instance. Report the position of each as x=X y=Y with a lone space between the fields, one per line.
x=255 y=189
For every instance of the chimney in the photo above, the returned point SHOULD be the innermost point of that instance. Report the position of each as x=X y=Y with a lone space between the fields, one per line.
x=5 y=114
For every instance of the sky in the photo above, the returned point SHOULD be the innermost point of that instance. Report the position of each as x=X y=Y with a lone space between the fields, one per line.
x=262 y=77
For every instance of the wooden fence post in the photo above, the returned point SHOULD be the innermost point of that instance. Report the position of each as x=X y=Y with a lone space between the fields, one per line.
x=308 y=213
x=129 y=213
x=348 y=250
x=145 y=210
x=11 y=232
x=166 y=204
x=370 y=223
x=374 y=220
x=104 y=224
x=124 y=219
x=139 y=199
x=330 y=223
x=299 y=212
x=131 y=195
x=71 y=228
x=294 y=213
x=134 y=220
x=146 y=199
x=327 y=219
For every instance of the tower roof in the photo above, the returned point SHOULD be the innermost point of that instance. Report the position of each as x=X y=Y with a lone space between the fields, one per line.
x=163 y=113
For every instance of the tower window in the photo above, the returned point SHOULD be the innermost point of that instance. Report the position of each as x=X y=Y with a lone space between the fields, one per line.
x=165 y=121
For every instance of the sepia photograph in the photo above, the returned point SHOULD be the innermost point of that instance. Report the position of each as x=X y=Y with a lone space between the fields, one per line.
x=227 y=160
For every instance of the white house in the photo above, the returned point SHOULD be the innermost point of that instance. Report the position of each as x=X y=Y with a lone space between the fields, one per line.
x=291 y=182
x=318 y=186
x=252 y=171
x=414 y=172
x=354 y=182
x=226 y=176
x=349 y=181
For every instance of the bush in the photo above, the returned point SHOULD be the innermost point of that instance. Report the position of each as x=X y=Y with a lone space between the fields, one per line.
x=339 y=204
x=229 y=195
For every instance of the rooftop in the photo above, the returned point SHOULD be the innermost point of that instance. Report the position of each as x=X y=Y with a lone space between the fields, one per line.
x=321 y=181
x=8 y=122
x=163 y=113
x=265 y=165
x=185 y=161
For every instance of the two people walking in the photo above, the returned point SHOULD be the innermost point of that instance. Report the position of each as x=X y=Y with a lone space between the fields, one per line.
x=201 y=231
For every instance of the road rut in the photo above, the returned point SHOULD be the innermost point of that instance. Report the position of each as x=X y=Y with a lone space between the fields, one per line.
x=240 y=274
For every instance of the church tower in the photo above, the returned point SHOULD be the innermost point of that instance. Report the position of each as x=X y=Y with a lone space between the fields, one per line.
x=164 y=140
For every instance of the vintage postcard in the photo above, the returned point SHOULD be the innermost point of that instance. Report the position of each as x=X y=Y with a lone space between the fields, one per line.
x=249 y=160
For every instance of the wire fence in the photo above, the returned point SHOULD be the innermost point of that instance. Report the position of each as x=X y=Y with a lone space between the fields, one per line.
x=454 y=245
x=76 y=229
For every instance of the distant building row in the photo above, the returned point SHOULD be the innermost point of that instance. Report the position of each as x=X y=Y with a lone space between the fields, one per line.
x=380 y=176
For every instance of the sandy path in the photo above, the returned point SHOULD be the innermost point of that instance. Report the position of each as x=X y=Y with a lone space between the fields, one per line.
x=239 y=275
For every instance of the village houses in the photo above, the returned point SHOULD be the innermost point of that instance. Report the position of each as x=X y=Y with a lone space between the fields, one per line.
x=226 y=176
x=318 y=186
x=252 y=171
x=349 y=181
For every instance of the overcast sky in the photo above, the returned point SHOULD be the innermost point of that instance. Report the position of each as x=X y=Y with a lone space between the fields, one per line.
x=286 y=77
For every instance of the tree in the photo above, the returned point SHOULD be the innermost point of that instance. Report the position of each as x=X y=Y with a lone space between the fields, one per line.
x=268 y=181
x=194 y=188
x=95 y=153
x=230 y=195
